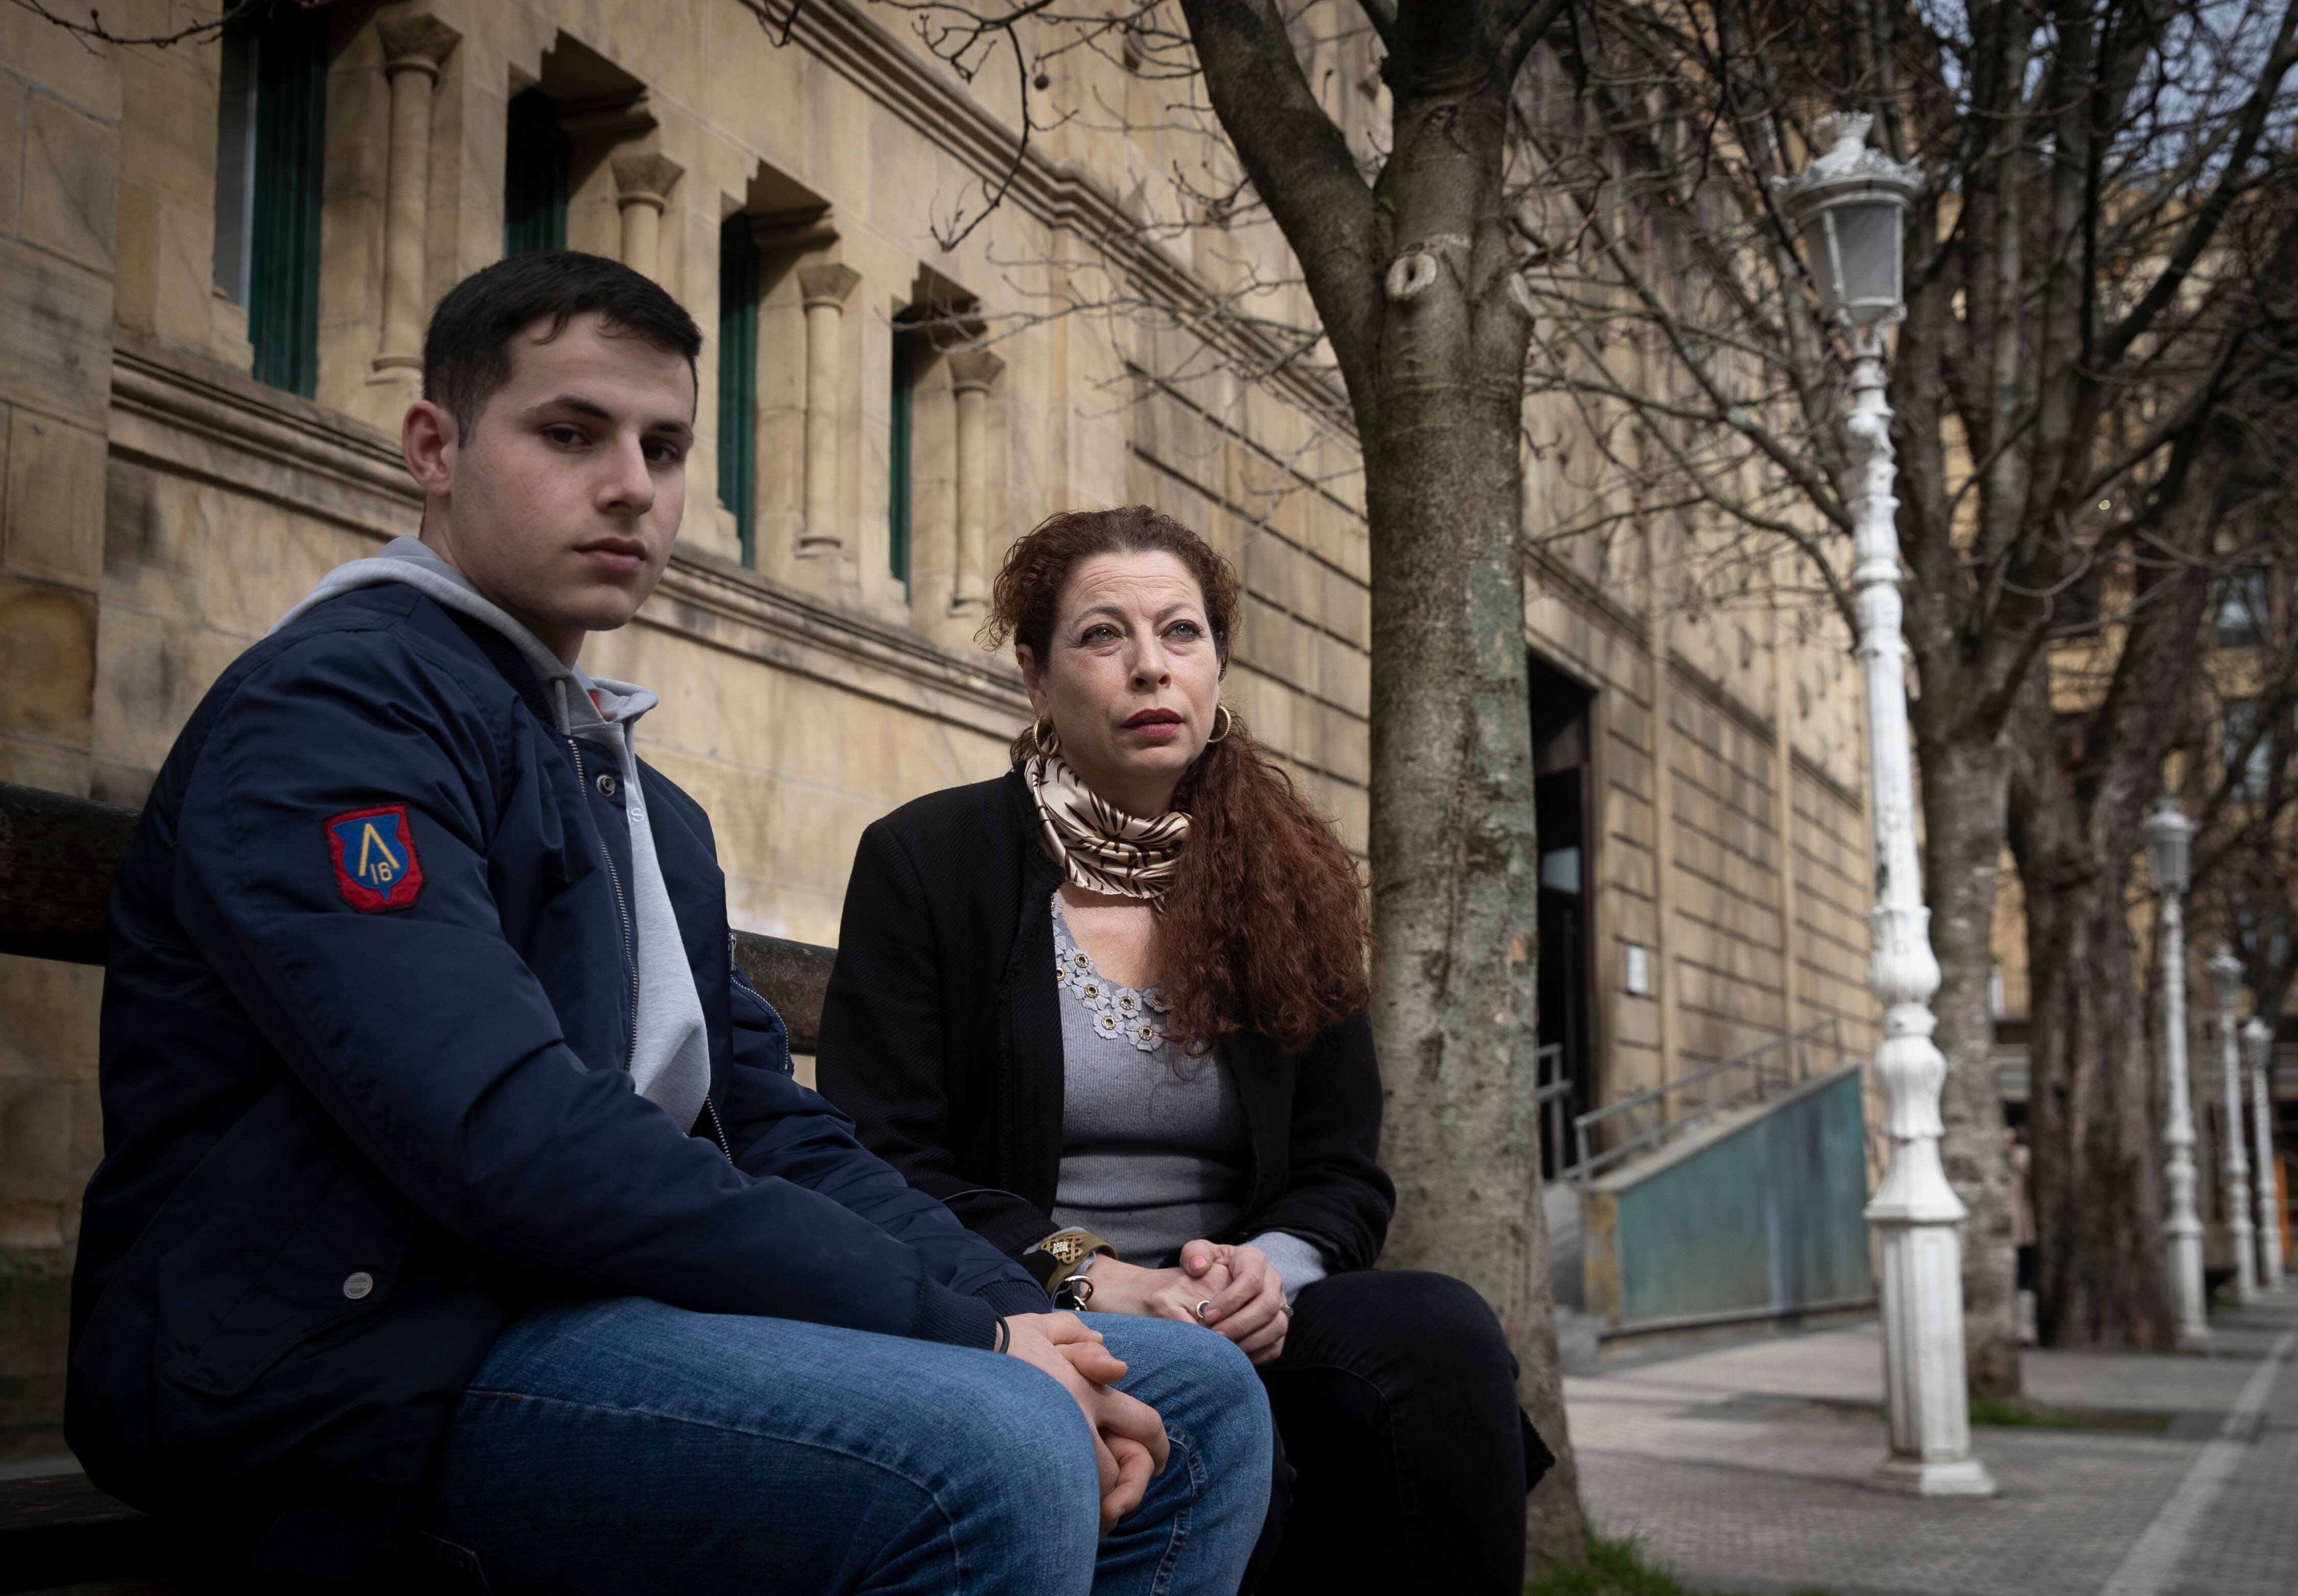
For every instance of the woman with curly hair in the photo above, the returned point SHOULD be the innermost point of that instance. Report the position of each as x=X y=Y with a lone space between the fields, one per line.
x=1109 y=1007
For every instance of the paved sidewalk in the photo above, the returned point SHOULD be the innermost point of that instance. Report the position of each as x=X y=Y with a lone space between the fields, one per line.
x=1742 y=1470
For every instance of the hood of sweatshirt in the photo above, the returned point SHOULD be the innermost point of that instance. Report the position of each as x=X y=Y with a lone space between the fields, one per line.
x=586 y=705
x=670 y=1053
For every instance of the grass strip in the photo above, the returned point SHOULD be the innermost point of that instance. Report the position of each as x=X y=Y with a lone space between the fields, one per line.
x=1616 y=1568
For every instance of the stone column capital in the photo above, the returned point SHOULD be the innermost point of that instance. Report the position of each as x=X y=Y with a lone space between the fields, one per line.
x=974 y=370
x=827 y=285
x=416 y=44
x=644 y=180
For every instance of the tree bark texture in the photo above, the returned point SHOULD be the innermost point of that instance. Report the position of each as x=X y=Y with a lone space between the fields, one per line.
x=1454 y=853
x=1414 y=282
x=2080 y=784
x=2092 y=1110
x=1964 y=782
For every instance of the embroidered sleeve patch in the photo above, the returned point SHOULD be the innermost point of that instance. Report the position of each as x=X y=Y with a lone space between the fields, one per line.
x=375 y=866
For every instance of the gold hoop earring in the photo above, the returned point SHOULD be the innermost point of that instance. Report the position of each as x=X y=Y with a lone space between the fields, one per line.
x=1046 y=749
x=1224 y=720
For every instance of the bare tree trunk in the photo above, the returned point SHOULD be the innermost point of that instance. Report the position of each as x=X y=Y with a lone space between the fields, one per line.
x=1452 y=843
x=2091 y=1107
x=1454 y=861
x=1415 y=281
x=2079 y=784
x=1964 y=783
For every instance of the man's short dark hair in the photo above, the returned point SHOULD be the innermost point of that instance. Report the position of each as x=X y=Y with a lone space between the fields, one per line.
x=466 y=354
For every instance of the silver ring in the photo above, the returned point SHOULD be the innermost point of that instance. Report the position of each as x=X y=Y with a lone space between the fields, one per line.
x=1286 y=1309
x=1200 y=1310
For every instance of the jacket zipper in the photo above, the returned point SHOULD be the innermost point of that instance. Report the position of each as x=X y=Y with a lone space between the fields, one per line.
x=717 y=1130
x=621 y=905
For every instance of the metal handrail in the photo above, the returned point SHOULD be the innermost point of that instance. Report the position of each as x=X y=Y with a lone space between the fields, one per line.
x=1550 y=1095
x=1798 y=1071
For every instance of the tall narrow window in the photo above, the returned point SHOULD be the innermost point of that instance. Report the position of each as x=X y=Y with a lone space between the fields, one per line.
x=897 y=457
x=234 y=203
x=270 y=137
x=738 y=380
x=2247 y=783
x=2244 y=609
x=534 y=176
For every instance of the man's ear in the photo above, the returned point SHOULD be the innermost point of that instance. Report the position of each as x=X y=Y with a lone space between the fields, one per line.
x=427 y=440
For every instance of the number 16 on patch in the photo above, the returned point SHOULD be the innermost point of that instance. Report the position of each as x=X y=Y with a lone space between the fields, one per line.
x=375 y=866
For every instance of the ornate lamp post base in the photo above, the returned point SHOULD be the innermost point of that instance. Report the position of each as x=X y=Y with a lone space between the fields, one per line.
x=1915 y=1215
x=2186 y=1257
x=1911 y=1477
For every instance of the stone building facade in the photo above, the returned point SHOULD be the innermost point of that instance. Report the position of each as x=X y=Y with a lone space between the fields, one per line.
x=216 y=263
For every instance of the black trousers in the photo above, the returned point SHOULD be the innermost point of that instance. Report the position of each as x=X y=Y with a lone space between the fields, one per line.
x=1408 y=1458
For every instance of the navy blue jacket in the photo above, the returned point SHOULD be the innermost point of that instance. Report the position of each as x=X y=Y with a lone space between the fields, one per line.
x=364 y=1098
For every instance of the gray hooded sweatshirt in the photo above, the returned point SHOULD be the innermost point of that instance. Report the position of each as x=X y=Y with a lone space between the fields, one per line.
x=670 y=1061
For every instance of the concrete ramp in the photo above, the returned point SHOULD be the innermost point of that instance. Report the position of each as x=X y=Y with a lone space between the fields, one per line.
x=1759 y=1217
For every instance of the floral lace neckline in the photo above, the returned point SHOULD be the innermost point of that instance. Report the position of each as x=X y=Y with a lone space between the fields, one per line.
x=1132 y=1013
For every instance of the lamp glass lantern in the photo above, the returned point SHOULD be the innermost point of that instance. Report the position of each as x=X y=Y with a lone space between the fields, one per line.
x=1851 y=207
x=2225 y=974
x=2169 y=840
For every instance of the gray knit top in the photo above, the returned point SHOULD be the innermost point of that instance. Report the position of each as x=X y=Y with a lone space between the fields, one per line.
x=1154 y=1143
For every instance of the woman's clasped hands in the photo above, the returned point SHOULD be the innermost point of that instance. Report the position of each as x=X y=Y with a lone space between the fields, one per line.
x=1233 y=1290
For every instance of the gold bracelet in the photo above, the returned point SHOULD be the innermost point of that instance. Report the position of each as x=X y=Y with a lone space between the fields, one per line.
x=1064 y=1255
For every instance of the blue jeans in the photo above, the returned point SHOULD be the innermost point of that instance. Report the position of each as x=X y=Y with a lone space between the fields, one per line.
x=623 y=1446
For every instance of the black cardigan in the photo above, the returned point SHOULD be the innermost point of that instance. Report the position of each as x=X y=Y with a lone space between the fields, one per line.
x=941 y=1035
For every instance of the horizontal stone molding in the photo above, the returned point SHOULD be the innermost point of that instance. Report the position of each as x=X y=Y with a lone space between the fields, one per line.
x=1722 y=699
x=195 y=417
x=1550 y=576
x=188 y=415
x=1810 y=771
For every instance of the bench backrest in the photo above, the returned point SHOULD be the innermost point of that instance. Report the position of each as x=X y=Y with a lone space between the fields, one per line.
x=58 y=855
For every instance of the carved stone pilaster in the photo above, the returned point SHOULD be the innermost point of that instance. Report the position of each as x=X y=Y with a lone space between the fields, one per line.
x=414 y=49
x=972 y=374
x=642 y=186
x=824 y=290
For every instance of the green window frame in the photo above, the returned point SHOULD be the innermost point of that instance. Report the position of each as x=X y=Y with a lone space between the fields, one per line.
x=534 y=176
x=900 y=408
x=738 y=380
x=275 y=130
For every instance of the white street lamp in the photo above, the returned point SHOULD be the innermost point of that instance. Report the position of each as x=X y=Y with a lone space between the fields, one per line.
x=1851 y=206
x=2170 y=836
x=2259 y=1036
x=2225 y=970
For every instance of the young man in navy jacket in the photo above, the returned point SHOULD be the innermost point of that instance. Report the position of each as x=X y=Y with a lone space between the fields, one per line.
x=459 y=1221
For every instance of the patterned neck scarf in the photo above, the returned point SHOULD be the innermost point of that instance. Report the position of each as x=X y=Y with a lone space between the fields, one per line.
x=1098 y=846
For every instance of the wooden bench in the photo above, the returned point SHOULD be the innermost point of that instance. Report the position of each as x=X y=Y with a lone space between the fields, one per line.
x=57 y=857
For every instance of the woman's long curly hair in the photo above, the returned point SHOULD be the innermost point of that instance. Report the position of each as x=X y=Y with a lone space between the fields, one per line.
x=1264 y=928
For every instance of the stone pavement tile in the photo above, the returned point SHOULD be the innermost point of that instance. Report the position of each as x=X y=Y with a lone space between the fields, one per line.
x=1742 y=1470
x=1791 y=1513
x=2247 y=1543
x=1844 y=1364
x=2136 y=1381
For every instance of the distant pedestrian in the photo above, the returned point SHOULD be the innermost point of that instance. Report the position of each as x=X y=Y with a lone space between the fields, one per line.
x=2022 y=1226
